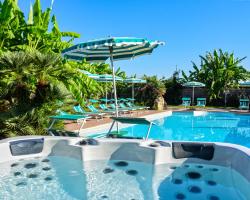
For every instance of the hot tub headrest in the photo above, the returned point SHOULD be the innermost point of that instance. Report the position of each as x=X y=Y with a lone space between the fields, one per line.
x=203 y=151
x=26 y=146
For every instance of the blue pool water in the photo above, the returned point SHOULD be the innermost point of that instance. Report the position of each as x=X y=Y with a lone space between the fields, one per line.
x=209 y=127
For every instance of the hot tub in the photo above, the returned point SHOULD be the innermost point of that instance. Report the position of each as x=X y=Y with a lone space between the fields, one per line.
x=73 y=168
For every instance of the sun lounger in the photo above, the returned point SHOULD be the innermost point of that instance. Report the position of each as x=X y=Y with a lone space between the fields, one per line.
x=123 y=100
x=129 y=120
x=201 y=102
x=122 y=105
x=112 y=105
x=105 y=108
x=186 y=101
x=104 y=100
x=79 y=109
x=244 y=104
x=131 y=100
x=112 y=100
x=95 y=110
x=131 y=105
x=93 y=101
x=80 y=119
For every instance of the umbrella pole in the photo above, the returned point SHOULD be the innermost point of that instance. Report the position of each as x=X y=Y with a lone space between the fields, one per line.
x=193 y=97
x=133 y=91
x=106 y=95
x=114 y=85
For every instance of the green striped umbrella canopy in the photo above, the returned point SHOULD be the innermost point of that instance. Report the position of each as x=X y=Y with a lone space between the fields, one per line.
x=90 y=75
x=121 y=48
x=107 y=78
x=133 y=81
x=244 y=83
x=193 y=84
x=113 y=48
x=101 y=78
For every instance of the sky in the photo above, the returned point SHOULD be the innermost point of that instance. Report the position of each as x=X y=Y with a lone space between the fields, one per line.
x=188 y=27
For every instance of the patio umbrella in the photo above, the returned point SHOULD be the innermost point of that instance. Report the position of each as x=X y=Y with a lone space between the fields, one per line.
x=193 y=84
x=113 y=48
x=104 y=78
x=244 y=83
x=133 y=81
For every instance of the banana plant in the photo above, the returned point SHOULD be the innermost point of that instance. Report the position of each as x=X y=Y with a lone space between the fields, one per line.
x=219 y=71
x=11 y=19
x=18 y=34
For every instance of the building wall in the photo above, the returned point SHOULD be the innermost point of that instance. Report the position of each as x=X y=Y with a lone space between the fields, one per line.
x=198 y=92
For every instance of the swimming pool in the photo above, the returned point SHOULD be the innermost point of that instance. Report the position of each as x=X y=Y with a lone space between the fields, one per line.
x=199 y=126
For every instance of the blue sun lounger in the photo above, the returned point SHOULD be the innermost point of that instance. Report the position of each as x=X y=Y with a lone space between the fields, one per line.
x=201 y=102
x=129 y=120
x=104 y=100
x=112 y=109
x=133 y=106
x=244 y=104
x=123 y=100
x=80 y=110
x=186 y=101
x=130 y=99
x=122 y=105
x=95 y=110
x=112 y=105
x=103 y=107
